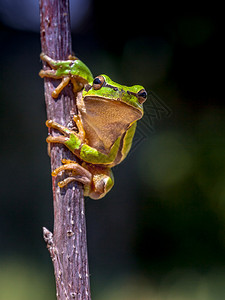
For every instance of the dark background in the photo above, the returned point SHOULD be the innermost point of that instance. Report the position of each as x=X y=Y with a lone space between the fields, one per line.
x=159 y=234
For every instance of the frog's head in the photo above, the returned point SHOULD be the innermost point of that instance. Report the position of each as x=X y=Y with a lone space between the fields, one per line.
x=104 y=89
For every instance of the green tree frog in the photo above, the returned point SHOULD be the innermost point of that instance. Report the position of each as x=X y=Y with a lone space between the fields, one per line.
x=106 y=123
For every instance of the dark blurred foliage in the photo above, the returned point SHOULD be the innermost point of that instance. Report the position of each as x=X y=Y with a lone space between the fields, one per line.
x=159 y=233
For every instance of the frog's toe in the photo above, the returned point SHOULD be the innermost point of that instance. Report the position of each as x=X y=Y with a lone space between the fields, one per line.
x=49 y=123
x=76 y=173
x=68 y=180
x=72 y=57
x=42 y=55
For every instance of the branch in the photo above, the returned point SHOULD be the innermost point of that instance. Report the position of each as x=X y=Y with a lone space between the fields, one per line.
x=68 y=244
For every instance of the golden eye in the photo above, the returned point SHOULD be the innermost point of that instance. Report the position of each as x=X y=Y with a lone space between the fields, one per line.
x=142 y=96
x=98 y=82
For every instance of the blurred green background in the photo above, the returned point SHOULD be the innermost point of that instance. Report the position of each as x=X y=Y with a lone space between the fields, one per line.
x=160 y=233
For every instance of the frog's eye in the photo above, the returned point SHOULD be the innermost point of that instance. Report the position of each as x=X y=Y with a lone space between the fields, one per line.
x=142 y=96
x=98 y=82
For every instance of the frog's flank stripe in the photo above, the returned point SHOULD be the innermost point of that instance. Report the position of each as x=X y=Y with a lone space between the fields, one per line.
x=73 y=143
x=127 y=141
x=93 y=156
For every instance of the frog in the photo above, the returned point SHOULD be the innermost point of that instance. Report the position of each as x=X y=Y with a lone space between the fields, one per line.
x=106 y=120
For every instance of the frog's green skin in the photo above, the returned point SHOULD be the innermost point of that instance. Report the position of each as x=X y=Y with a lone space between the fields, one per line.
x=106 y=122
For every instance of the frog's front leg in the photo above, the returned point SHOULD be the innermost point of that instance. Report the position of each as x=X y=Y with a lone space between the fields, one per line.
x=78 y=145
x=97 y=179
x=64 y=130
x=70 y=138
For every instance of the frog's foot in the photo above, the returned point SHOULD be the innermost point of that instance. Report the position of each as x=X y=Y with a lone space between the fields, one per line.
x=56 y=65
x=77 y=173
x=102 y=184
x=69 y=137
x=95 y=185
x=67 y=133
x=61 y=139
x=102 y=180
x=64 y=130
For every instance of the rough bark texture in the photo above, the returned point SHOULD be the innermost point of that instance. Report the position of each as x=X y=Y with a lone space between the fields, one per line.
x=67 y=245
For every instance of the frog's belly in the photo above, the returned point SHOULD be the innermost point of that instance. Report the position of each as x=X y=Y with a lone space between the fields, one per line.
x=104 y=121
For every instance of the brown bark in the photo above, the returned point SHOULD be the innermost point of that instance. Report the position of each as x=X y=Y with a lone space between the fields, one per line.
x=67 y=245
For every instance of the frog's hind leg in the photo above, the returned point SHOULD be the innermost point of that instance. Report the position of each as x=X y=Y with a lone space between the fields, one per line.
x=77 y=84
x=54 y=64
x=102 y=184
x=97 y=181
x=102 y=180
x=52 y=74
x=60 y=87
x=49 y=60
x=49 y=73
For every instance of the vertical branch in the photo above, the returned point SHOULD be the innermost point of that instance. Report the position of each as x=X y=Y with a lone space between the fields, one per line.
x=67 y=245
